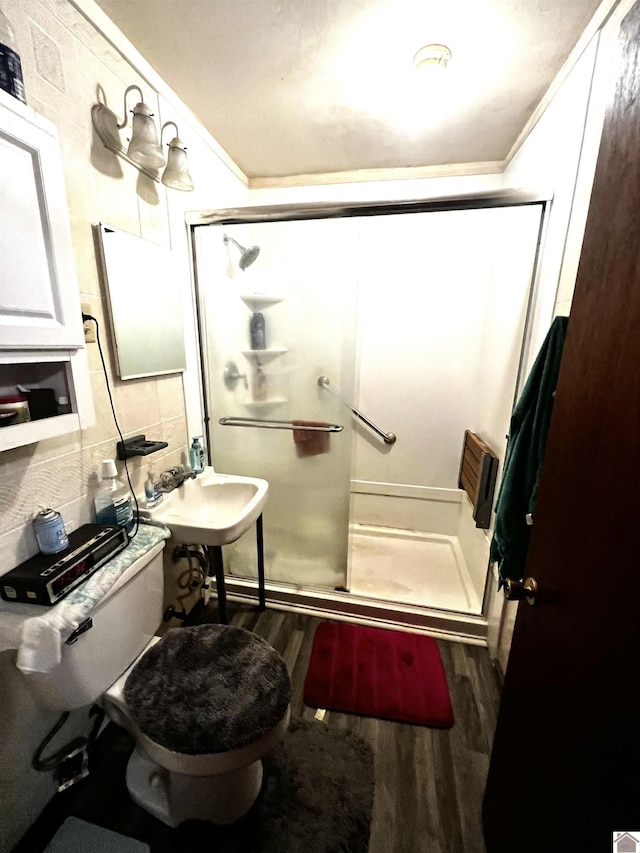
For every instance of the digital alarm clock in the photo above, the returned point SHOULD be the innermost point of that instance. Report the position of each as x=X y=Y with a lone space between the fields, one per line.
x=46 y=578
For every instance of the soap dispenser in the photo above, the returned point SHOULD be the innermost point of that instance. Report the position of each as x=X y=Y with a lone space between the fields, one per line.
x=113 y=501
x=196 y=455
x=153 y=495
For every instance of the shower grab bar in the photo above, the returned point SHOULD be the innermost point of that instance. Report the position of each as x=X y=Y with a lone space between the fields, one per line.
x=269 y=424
x=387 y=437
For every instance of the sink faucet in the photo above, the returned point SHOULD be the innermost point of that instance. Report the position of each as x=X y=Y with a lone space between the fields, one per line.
x=174 y=477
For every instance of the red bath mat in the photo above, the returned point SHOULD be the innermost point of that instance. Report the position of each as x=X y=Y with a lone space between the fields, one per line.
x=378 y=673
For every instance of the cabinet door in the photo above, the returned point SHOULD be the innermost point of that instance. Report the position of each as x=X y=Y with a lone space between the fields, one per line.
x=39 y=303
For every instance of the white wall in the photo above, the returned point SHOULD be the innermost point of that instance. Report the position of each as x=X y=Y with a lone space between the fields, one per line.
x=562 y=148
x=423 y=282
x=412 y=188
x=442 y=299
x=549 y=159
x=403 y=324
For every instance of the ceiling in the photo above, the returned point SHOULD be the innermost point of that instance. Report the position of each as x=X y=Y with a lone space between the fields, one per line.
x=308 y=87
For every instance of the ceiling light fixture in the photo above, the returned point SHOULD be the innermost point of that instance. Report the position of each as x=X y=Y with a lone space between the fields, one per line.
x=432 y=57
x=144 y=151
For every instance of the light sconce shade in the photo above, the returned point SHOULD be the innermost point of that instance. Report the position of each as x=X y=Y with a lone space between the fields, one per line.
x=144 y=148
x=144 y=152
x=177 y=175
x=432 y=57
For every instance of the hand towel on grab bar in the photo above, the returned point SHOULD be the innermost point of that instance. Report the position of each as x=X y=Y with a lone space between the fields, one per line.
x=310 y=442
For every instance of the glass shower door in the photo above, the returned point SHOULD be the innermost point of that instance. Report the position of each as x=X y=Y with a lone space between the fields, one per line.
x=304 y=297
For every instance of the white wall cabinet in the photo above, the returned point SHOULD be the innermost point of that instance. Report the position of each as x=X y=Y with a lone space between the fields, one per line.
x=41 y=334
x=39 y=305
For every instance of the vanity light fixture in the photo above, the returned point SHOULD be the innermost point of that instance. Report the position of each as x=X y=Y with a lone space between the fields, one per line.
x=177 y=174
x=144 y=148
x=144 y=151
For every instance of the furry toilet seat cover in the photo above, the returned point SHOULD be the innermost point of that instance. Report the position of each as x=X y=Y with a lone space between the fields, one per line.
x=207 y=689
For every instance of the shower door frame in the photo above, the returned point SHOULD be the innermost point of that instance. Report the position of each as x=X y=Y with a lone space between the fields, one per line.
x=442 y=623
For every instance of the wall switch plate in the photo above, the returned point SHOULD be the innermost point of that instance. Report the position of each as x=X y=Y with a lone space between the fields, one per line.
x=88 y=325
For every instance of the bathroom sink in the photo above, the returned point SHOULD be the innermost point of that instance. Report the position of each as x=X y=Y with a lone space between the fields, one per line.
x=212 y=509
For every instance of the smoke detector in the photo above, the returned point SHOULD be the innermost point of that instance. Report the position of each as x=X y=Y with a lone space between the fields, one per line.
x=432 y=56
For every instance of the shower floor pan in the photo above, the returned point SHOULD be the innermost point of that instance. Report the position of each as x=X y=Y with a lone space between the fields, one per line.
x=423 y=569
x=401 y=579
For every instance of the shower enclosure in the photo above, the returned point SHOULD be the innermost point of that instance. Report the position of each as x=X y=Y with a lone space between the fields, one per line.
x=415 y=318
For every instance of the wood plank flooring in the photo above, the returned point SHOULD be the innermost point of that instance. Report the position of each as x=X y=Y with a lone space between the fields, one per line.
x=429 y=783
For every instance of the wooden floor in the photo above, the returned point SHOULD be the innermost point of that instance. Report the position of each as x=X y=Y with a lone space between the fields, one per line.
x=429 y=783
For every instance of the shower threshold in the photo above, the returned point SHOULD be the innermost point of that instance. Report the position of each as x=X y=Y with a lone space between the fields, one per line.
x=347 y=606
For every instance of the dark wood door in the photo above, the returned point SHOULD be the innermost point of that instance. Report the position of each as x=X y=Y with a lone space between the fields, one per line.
x=565 y=767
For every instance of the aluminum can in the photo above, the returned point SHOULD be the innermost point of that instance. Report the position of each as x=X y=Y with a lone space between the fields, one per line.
x=50 y=534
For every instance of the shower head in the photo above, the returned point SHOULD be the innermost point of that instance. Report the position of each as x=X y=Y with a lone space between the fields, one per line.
x=247 y=256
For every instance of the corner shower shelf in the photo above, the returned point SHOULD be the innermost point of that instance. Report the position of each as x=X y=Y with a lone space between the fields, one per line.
x=257 y=301
x=262 y=356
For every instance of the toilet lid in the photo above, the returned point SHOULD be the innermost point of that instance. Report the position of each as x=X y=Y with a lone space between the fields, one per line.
x=208 y=689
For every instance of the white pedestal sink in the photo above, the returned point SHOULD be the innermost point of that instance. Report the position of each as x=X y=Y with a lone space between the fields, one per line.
x=212 y=509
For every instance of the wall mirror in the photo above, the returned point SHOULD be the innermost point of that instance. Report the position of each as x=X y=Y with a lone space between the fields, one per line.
x=142 y=283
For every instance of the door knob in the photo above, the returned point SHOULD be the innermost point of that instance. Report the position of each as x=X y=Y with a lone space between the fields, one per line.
x=516 y=590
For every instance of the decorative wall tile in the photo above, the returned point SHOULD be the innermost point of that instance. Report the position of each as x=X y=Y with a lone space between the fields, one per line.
x=53 y=483
x=48 y=59
x=104 y=428
x=93 y=353
x=174 y=432
x=14 y=547
x=92 y=458
x=49 y=53
x=76 y=513
x=136 y=403
x=170 y=396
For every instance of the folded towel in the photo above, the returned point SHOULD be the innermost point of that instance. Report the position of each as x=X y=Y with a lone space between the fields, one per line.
x=310 y=442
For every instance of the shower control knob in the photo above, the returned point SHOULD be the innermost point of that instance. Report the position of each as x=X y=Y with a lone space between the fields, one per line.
x=516 y=590
x=231 y=376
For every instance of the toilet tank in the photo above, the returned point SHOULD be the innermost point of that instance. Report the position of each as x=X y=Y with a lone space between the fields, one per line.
x=123 y=623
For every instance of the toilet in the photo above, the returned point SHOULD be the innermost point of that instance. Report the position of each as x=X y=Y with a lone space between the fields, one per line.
x=204 y=704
